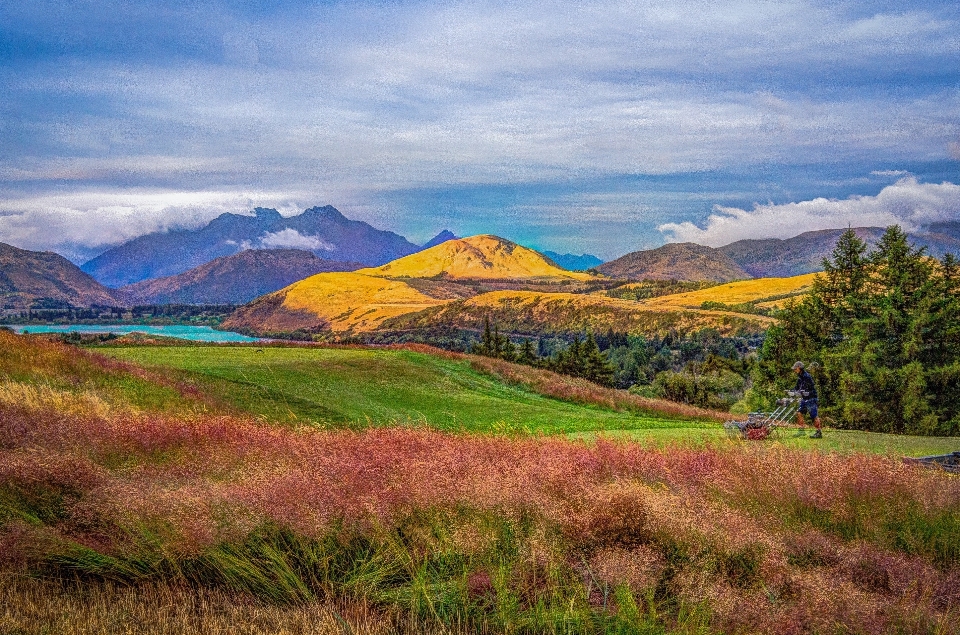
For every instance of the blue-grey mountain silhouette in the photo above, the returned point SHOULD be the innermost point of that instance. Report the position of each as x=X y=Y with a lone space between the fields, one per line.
x=322 y=230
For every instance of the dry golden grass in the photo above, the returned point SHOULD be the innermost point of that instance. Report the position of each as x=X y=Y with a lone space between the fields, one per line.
x=477 y=257
x=36 y=606
x=353 y=301
x=532 y=311
x=756 y=290
x=34 y=396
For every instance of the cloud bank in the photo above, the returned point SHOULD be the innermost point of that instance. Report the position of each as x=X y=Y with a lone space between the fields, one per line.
x=348 y=102
x=908 y=203
x=81 y=225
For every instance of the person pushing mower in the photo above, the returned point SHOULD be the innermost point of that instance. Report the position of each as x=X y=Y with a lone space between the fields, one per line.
x=808 y=401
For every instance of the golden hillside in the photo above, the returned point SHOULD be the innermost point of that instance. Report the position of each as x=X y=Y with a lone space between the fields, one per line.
x=335 y=301
x=763 y=292
x=401 y=295
x=477 y=257
x=536 y=312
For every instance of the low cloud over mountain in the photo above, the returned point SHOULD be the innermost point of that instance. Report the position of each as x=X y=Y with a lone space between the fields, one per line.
x=909 y=203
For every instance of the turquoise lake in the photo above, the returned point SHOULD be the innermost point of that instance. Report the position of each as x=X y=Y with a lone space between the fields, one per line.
x=195 y=333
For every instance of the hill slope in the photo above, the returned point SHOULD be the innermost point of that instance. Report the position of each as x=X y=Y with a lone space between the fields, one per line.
x=804 y=253
x=233 y=279
x=477 y=257
x=362 y=300
x=675 y=261
x=335 y=301
x=535 y=313
x=321 y=230
x=29 y=277
x=763 y=292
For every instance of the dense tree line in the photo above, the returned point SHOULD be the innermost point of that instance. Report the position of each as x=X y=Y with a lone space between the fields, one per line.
x=209 y=314
x=581 y=358
x=701 y=368
x=883 y=329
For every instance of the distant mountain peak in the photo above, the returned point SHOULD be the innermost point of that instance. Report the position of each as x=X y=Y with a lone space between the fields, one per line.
x=323 y=230
x=327 y=211
x=266 y=213
x=442 y=237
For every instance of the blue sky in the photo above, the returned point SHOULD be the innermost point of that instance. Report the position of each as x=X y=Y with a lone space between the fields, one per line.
x=574 y=126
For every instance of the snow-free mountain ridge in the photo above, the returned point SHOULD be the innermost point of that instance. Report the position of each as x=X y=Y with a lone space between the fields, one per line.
x=321 y=230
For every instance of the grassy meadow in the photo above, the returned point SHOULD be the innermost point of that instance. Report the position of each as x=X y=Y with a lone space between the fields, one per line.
x=356 y=388
x=207 y=489
x=364 y=387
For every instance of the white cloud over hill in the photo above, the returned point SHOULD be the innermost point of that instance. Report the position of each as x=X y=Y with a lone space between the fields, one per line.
x=907 y=202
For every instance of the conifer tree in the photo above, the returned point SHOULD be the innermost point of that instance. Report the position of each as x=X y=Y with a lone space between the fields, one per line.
x=526 y=354
x=886 y=329
x=595 y=366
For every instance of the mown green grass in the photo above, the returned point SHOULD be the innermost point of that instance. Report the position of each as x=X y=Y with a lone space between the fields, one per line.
x=350 y=388
x=355 y=387
x=832 y=441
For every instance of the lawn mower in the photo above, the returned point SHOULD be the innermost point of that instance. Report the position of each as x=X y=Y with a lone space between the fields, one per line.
x=761 y=425
x=947 y=462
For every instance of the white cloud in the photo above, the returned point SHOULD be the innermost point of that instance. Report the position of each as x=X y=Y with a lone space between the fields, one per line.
x=80 y=223
x=292 y=239
x=907 y=202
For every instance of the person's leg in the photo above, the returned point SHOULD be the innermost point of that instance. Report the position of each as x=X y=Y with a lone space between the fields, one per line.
x=818 y=434
x=801 y=423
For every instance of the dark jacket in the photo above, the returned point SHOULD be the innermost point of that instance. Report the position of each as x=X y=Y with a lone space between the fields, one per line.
x=805 y=385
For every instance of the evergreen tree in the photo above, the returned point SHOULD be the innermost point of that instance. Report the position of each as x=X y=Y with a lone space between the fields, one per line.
x=526 y=354
x=886 y=329
x=595 y=365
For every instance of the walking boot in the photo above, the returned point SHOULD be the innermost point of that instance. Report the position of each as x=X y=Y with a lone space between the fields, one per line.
x=817 y=434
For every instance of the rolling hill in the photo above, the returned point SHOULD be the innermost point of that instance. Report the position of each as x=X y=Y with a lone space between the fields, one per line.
x=536 y=313
x=364 y=299
x=476 y=258
x=761 y=292
x=322 y=230
x=233 y=279
x=33 y=278
x=675 y=261
x=330 y=301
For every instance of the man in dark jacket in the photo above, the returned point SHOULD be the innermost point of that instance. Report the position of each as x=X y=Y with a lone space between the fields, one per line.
x=808 y=400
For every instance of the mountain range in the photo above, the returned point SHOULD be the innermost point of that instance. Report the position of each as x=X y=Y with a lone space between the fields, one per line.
x=232 y=279
x=462 y=269
x=321 y=230
x=363 y=299
x=443 y=287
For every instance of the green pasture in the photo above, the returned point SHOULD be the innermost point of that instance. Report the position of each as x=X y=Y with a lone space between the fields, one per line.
x=351 y=388
x=360 y=387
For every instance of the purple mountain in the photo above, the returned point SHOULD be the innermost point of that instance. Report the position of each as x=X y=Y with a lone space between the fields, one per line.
x=324 y=231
